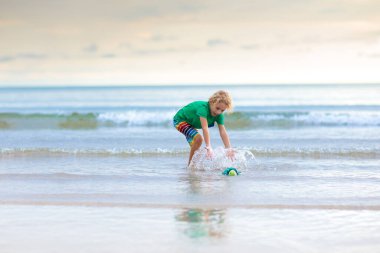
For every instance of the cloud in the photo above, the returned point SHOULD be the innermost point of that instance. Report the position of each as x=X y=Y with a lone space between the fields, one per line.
x=164 y=50
x=250 y=47
x=154 y=51
x=109 y=56
x=216 y=42
x=92 y=48
x=160 y=38
x=197 y=32
x=6 y=58
x=26 y=56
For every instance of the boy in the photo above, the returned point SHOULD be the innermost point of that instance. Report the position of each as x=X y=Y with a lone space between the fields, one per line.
x=202 y=114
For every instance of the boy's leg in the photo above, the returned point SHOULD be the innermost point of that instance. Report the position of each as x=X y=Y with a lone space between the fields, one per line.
x=197 y=142
x=192 y=136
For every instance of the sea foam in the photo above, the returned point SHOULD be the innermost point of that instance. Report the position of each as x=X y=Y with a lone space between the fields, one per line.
x=220 y=160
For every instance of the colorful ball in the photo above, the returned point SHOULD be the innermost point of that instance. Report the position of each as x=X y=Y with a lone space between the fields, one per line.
x=232 y=173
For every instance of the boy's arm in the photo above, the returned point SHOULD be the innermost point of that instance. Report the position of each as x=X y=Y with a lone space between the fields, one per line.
x=206 y=134
x=224 y=136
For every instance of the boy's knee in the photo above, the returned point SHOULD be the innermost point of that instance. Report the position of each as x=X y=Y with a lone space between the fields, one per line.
x=198 y=140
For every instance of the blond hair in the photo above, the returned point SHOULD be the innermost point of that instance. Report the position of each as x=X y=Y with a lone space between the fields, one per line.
x=221 y=96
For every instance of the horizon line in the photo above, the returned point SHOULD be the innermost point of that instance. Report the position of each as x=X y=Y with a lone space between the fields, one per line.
x=178 y=85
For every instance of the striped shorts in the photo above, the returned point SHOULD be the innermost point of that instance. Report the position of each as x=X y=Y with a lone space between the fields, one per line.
x=186 y=129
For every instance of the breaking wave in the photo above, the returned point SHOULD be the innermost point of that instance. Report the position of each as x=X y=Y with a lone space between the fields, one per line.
x=163 y=118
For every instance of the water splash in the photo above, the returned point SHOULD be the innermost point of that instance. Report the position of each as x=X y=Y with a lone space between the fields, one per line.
x=220 y=160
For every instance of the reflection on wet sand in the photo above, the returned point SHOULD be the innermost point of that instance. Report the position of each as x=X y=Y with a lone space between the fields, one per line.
x=196 y=222
x=203 y=222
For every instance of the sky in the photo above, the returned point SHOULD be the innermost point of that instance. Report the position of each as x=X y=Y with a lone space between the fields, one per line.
x=137 y=42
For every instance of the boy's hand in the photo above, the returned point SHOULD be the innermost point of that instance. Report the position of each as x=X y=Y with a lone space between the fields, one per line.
x=230 y=154
x=209 y=153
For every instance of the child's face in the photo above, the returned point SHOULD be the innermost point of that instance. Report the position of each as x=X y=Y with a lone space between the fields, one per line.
x=217 y=108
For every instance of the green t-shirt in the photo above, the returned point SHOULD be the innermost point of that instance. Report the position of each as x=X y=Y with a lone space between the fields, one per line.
x=191 y=113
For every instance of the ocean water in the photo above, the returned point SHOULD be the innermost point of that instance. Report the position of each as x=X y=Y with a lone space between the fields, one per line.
x=101 y=169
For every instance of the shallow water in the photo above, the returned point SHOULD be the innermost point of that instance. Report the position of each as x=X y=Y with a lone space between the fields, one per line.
x=104 y=165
